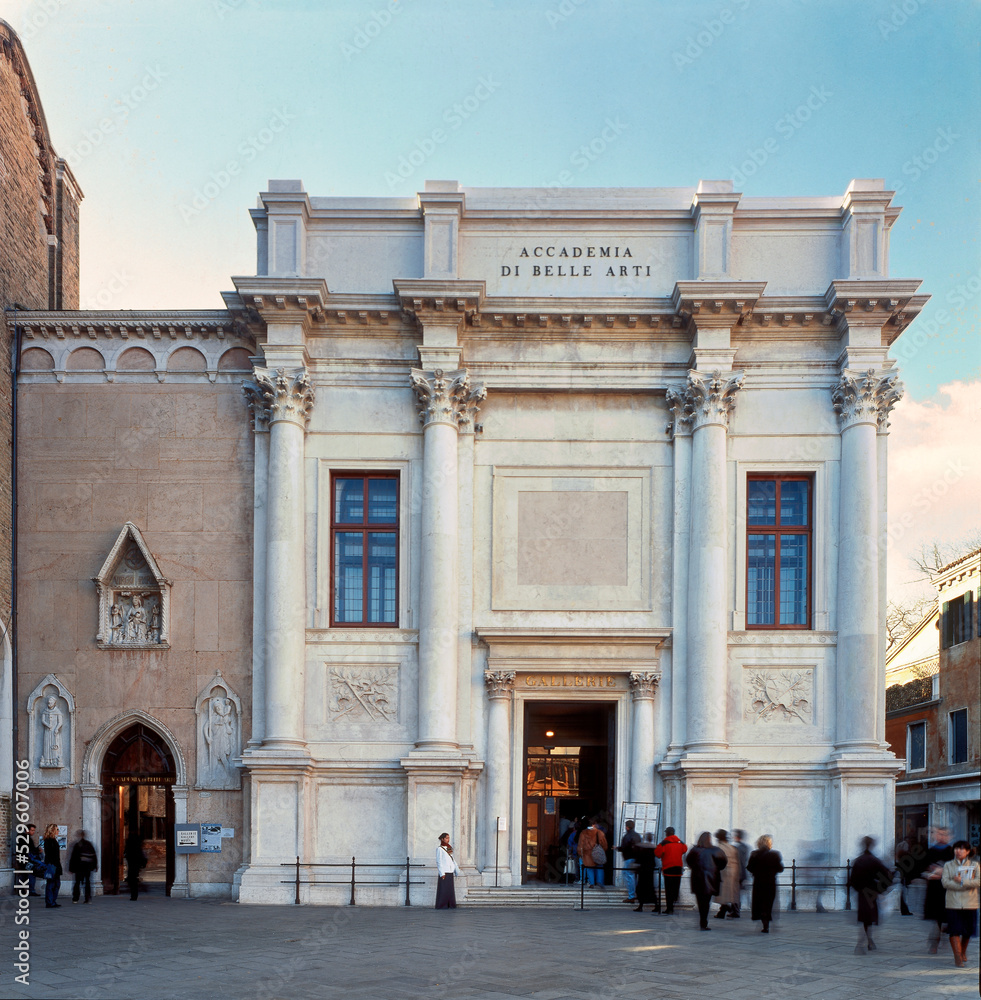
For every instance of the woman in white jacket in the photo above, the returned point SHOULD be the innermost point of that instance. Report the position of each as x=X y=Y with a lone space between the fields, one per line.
x=446 y=868
x=962 y=879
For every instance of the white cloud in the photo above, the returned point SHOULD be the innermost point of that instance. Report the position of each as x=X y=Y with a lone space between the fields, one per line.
x=934 y=476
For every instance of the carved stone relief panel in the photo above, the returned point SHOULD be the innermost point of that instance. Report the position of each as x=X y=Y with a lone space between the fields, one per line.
x=359 y=693
x=134 y=597
x=218 y=711
x=51 y=733
x=778 y=695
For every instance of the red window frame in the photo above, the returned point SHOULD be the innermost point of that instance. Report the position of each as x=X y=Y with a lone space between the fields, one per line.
x=365 y=528
x=781 y=531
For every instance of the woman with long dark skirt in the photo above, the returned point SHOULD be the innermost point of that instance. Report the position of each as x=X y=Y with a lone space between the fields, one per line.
x=446 y=868
x=764 y=864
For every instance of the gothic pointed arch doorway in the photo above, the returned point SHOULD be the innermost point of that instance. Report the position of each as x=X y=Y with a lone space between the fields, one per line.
x=138 y=778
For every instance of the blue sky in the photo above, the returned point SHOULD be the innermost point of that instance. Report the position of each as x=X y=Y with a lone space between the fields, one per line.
x=174 y=113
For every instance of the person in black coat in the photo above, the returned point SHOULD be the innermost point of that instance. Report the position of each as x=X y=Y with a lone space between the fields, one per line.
x=81 y=863
x=705 y=862
x=764 y=864
x=52 y=857
x=934 y=901
x=135 y=863
x=869 y=878
x=646 y=864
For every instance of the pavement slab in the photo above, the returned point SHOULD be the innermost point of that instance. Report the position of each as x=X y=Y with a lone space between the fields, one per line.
x=170 y=949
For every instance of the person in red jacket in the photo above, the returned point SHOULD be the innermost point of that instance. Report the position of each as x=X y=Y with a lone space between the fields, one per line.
x=671 y=851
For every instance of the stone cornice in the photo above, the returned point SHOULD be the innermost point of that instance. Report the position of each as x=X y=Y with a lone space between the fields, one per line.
x=125 y=325
x=436 y=300
x=888 y=304
x=272 y=299
x=722 y=304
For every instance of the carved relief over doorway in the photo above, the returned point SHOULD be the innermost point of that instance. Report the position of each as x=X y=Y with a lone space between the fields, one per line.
x=134 y=597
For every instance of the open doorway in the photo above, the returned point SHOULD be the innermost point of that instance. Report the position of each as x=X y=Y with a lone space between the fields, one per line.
x=569 y=773
x=138 y=775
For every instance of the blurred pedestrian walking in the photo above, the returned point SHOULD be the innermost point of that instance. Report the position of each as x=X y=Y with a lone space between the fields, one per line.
x=764 y=865
x=870 y=878
x=706 y=863
x=671 y=852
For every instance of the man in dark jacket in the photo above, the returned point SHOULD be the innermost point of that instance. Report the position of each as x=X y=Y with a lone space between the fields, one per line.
x=671 y=853
x=81 y=863
x=706 y=862
x=628 y=843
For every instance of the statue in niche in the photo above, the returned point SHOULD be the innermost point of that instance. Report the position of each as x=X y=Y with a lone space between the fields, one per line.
x=219 y=732
x=136 y=626
x=155 y=623
x=52 y=723
x=118 y=630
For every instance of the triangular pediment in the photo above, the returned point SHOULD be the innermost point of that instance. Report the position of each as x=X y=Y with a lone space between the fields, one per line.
x=130 y=559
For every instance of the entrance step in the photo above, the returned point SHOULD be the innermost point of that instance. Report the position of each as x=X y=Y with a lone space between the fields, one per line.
x=556 y=896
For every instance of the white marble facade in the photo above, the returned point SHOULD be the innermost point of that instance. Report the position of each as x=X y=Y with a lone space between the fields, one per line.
x=574 y=389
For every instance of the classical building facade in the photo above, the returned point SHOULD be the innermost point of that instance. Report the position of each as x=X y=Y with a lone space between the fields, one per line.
x=536 y=502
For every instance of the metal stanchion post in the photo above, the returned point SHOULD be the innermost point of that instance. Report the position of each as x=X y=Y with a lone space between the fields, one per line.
x=793 y=884
x=297 y=900
x=352 y=881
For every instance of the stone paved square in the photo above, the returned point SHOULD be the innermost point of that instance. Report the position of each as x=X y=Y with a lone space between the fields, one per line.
x=172 y=949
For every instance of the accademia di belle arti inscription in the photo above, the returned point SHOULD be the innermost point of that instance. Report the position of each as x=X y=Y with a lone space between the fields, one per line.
x=581 y=270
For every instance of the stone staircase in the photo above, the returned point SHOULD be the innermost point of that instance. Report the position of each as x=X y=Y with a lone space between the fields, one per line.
x=552 y=896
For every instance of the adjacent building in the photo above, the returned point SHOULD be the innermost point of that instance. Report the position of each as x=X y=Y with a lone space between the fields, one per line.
x=39 y=201
x=931 y=711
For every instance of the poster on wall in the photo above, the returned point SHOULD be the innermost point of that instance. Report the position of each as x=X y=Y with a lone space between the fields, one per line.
x=187 y=838
x=211 y=838
x=62 y=837
x=646 y=817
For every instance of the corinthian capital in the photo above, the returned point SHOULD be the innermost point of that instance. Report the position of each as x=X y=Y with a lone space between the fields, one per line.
x=709 y=399
x=447 y=397
x=500 y=683
x=643 y=683
x=274 y=395
x=866 y=397
x=681 y=412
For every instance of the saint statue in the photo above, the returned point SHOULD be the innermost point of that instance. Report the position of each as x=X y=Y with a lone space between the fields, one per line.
x=219 y=732
x=137 y=623
x=52 y=722
x=118 y=632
